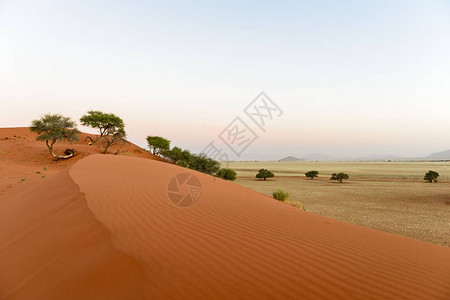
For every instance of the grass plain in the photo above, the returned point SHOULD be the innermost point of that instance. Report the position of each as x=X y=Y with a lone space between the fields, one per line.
x=388 y=196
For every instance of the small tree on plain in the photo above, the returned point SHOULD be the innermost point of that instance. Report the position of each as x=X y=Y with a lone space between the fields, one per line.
x=311 y=174
x=339 y=176
x=227 y=174
x=55 y=127
x=431 y=176
x=158 y=145
x=110 y=127
x=264 y=173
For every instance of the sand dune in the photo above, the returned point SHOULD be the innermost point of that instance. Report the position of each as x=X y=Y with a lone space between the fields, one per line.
x=107 y=229
x=21 y=156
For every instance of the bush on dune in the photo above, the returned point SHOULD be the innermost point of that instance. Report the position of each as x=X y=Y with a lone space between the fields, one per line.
x=226 y=174
x=197 y=162
x=280 y=195
x=283 y=196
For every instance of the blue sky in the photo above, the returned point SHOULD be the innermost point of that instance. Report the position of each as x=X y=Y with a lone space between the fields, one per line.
x=352 y=77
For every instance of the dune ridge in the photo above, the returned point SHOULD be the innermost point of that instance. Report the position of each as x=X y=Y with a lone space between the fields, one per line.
x=52 y=247
x=111 y=217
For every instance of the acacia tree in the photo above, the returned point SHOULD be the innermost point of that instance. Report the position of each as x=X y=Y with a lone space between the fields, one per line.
x=110 y=127
x=339 y=176
x=431 y=176
x=158 y=145
x=55 y=127
x=311 y=174
x=264 y=173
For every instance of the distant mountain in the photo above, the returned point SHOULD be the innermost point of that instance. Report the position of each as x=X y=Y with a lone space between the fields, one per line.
x=290 y=159
x=439 y=155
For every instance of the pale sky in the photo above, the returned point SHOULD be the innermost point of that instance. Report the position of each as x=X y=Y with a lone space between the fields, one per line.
x=352 y=78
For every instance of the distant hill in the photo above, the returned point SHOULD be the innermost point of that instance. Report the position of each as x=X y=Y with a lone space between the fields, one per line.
x=290 y=159
x=439 y=155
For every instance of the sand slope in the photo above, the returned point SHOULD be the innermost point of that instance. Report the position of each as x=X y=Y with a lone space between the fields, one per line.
x=106 y=229
x=21 y=156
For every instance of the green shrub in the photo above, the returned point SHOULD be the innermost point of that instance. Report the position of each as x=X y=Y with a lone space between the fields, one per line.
x=197 y=162
x=280 y=195
x=227 y=174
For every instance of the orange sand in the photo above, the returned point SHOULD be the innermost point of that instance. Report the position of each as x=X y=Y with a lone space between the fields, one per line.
x=21 y=156
x=103 y=227
x=106 y=229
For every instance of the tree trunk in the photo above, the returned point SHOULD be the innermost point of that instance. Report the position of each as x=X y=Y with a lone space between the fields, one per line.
x=108 y=143
x=92 y=140
x=61 y=156
x=50 y=149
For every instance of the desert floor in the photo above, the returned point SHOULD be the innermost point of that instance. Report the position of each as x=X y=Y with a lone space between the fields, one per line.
x=389 y=196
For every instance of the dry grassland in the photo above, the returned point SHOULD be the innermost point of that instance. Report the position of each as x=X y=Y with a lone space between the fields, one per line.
x=387 y=196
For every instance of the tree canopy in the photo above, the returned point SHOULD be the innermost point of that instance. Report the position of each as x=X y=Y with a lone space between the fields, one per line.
x=311 y=174
x=204 y=164
x=197 y=162
x=227 y=174
x=158 y=145
x=431 y=176
x=264 y=173
x=55 y=127
x=176 y=154
x=339 y=176
x=110 y=126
